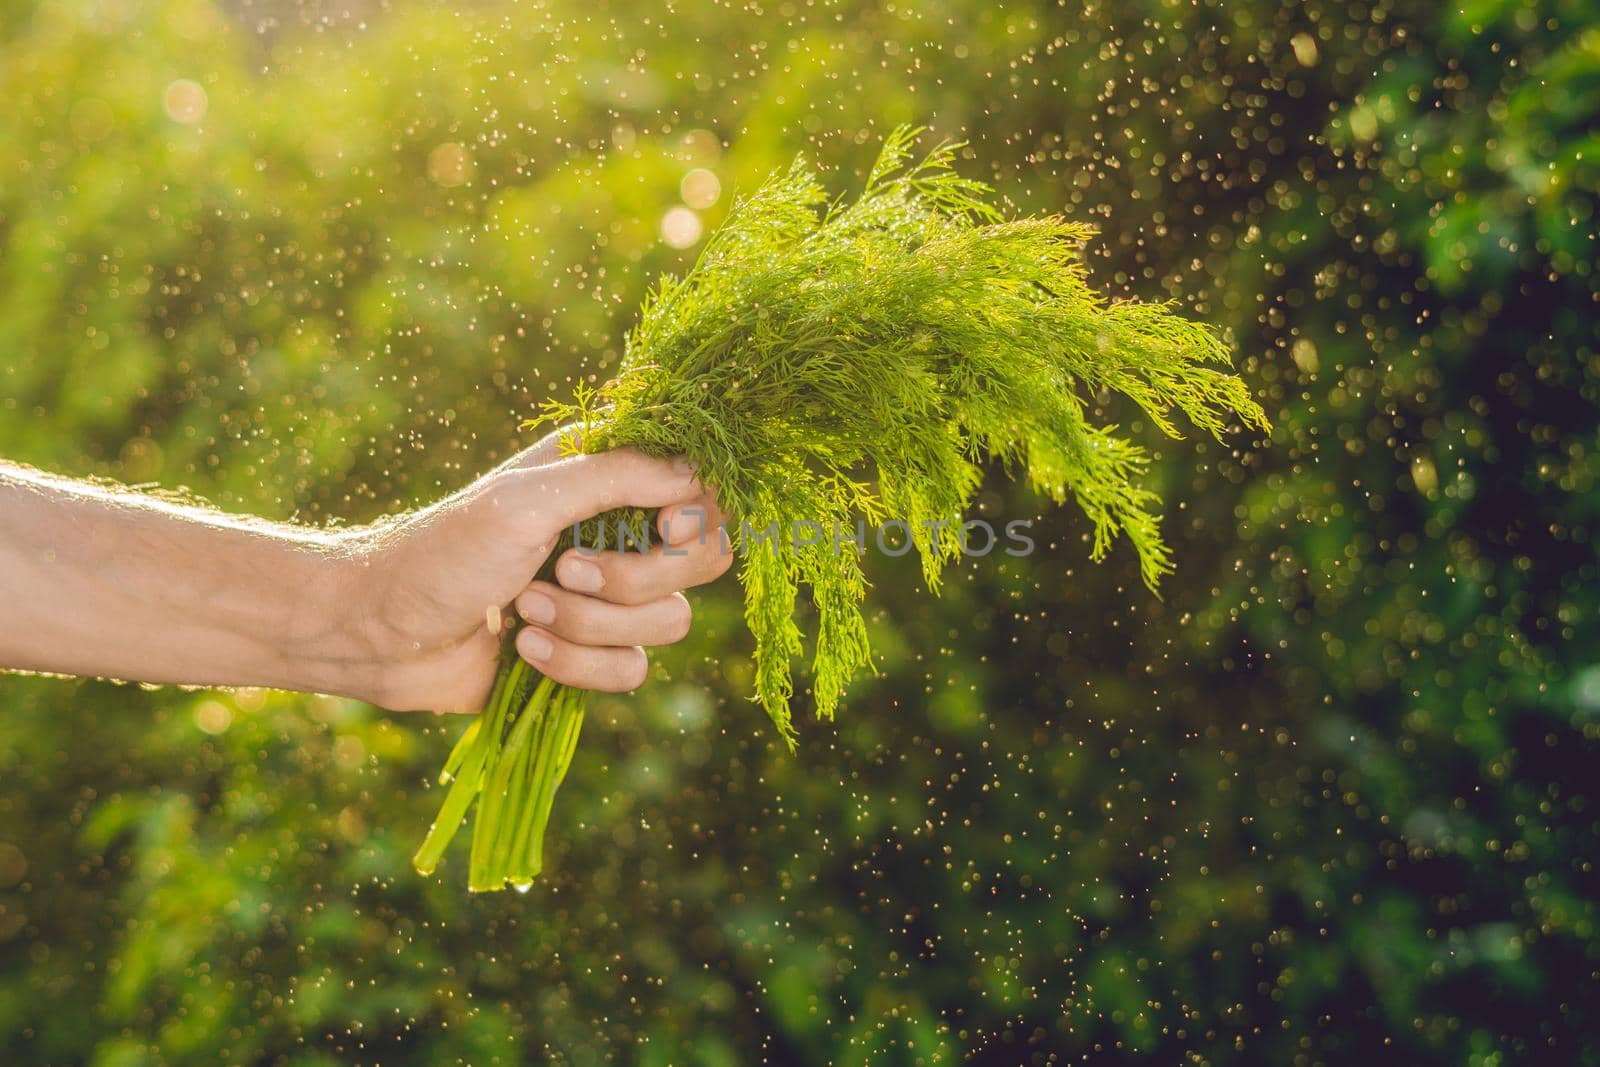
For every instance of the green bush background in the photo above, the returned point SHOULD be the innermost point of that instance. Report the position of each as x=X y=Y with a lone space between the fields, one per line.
x=1330 y=800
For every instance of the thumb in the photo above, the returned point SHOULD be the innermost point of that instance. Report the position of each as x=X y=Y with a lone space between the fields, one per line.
x=580 y=487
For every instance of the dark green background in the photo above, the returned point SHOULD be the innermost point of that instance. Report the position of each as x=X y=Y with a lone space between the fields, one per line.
x=1331 y=800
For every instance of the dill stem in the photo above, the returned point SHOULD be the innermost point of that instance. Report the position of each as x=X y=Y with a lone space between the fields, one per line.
x=468 y=759
x=487 y=861
x=518 y=825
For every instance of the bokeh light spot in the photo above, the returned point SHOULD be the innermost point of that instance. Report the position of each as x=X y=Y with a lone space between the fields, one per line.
x=700 y=188
x=449 y=164
x=701 y=147
x=1305 y=355
x=680 y=227
x=213 y=716
x=185 y=101
x=1305 y=49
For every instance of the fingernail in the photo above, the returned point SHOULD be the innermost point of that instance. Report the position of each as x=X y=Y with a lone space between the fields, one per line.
x=581 y=576
x=536 y=607
x=536 y=647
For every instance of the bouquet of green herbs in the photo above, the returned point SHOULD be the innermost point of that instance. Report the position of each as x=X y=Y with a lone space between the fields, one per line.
x=826 y=362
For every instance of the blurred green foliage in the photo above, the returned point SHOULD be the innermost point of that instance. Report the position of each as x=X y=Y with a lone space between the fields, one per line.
x=1330 y=800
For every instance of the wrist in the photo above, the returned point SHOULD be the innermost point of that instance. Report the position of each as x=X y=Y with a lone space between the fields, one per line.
x=328 y=647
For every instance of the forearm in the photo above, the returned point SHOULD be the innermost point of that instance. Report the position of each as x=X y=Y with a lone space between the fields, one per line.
x=107 y=583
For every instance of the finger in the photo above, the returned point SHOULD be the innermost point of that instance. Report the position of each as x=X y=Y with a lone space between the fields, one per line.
x=579 y=487
x=640 y=577
x=694 y=521
x=585 y=620
x=610 y=670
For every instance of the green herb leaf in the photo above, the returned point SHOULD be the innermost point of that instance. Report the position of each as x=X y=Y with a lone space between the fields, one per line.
x=824 y=362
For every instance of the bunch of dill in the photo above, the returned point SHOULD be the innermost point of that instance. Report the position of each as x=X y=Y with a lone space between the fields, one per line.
x=825 y=362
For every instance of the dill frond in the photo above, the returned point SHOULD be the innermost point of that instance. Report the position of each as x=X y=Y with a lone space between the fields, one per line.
x=827 y=361
x=868 y=359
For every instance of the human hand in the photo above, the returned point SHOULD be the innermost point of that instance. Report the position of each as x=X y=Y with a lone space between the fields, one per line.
x=427 y=594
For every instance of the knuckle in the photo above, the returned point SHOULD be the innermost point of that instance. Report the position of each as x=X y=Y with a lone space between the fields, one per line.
x=634 y=670
x=713 y=561
x=605 y=672
x=680 y=617
x=520 y=483
x=622 y=464
x=580 y=617
x=499 y=489
x=626 y=585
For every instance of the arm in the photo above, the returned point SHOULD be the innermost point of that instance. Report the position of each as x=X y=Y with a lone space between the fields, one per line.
x=105 y=582
x=99 y=581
